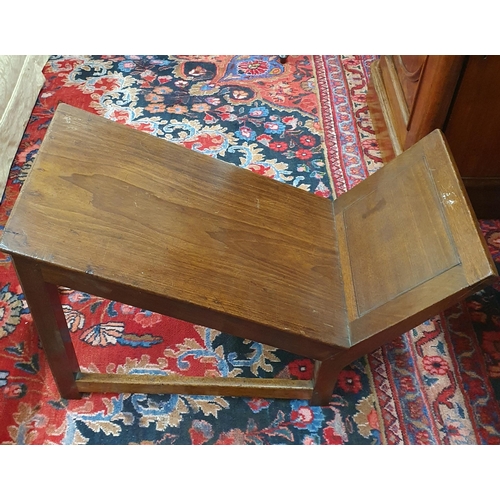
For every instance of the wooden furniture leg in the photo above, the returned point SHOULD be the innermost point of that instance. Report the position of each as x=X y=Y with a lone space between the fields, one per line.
x=48 y=316
x=325 y=377
x=326 y=373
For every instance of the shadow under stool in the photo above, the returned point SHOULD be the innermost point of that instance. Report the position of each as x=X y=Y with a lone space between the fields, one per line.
x=123 y=215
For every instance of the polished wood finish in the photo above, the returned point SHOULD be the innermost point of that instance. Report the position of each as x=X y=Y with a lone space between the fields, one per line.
x=409 y=70
x=415 y=93
x=473 y=132
x=210 y=243
x=456 y=94
x=203 y=386
x=440 y=258
x=395 y=98
x=473 y=128
x=205 y=238
x=381 y=116
x=435 y=93
x=379 y=219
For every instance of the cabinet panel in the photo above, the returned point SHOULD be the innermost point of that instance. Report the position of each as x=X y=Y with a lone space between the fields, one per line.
x=457 y=94
x=473 y=128
x=395 y=97
x=409 y=70
x=414 y=93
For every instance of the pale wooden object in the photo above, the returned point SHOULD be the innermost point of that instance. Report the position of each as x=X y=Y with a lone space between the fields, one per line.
x=21 y=79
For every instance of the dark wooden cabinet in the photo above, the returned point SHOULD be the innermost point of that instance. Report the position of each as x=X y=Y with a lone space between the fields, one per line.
x=409 y=96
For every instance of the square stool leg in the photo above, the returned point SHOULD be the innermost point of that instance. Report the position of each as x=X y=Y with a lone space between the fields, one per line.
x=48 y=316
x=326 y=373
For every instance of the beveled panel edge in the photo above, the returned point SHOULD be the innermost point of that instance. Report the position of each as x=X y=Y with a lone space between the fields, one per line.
x=401 y=170
x=403 y=106
x=439 y=203
x=387 y=114
x=415 y=97
x=365 y=187
x=412 y=76
x=345 y=268
x=412 y=308
x=463 y=224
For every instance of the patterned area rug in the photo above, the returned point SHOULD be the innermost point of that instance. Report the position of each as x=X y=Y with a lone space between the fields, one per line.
x=304 y=123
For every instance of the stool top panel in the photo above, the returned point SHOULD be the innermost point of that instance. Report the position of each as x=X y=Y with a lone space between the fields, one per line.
x=413 y=242
x=128 y=207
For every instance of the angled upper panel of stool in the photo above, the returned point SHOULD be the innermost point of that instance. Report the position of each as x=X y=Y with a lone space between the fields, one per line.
x=410 y=244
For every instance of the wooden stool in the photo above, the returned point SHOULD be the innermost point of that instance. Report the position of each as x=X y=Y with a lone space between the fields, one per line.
x=126 y=216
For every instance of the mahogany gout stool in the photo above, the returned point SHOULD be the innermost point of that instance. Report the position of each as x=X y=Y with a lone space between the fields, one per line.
x=123 y=215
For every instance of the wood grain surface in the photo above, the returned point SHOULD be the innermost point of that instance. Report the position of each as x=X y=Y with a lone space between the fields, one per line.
x=179 y=384
x=123 y=215
x=144 y=214
x=409 y=243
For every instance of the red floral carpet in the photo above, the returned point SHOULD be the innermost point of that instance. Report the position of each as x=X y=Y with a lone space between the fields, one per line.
x=304 y=123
